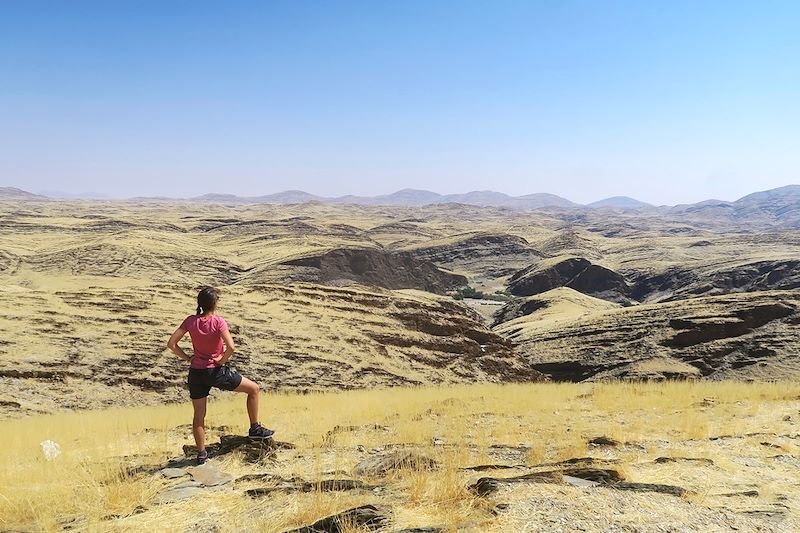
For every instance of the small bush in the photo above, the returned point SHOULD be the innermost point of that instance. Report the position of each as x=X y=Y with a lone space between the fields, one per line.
x=471 y=292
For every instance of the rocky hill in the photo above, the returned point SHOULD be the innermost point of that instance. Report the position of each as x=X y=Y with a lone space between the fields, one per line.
x=13 y=193
x=390 y=270
x=748 y=336
x=573 y=272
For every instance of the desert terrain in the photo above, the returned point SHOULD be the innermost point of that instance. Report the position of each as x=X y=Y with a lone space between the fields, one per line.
x=468 y=338
x=323 y=296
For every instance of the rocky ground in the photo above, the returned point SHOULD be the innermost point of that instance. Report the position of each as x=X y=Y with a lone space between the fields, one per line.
x=669 y=457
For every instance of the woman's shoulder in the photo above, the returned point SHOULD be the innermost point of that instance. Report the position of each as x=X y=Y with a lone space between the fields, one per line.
x=188 y=321
x=220 y=322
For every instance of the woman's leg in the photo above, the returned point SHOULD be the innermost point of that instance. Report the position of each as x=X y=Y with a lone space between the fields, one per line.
x=252 y=389
x=198 y=423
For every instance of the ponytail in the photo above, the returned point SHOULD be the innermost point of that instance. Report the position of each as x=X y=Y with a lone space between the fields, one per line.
x=207 y=300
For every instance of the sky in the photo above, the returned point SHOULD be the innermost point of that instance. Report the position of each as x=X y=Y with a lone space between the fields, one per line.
x=665 y=101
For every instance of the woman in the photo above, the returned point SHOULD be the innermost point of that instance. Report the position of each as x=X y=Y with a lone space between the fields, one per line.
x=213 y=346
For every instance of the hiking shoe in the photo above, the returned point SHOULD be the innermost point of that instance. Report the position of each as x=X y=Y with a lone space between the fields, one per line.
x=202 y=457
x=257 y=431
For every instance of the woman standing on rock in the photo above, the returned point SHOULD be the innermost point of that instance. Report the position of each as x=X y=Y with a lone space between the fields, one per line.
x=213 y=347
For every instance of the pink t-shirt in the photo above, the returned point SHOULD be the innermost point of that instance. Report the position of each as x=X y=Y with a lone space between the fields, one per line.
x=206 y=334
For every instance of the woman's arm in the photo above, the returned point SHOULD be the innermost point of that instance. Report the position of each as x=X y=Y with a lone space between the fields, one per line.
x=172 y=344
x=229 y=348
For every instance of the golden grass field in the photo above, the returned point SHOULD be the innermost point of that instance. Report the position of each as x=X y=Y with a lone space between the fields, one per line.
x=726 y=437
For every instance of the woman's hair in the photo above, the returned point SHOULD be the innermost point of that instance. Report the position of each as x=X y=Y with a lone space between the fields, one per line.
x=207 y=300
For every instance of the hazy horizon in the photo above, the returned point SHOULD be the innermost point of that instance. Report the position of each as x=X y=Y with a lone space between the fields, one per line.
x=668 y=104
x=88 y=195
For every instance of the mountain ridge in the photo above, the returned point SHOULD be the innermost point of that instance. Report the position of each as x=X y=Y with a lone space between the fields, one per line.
x=778 y=198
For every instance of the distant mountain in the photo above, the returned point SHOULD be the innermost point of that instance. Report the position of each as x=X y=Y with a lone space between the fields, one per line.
x=404 y=197
x=407 y=197
x=13 y=193
x=620 y=202
x=789 y=192
x=289 y=197
x=479 y=198
x=542 y=199
x=220 y=198
x=63 y=195
x=712 y=202
x=285 y=197
x=774 y=208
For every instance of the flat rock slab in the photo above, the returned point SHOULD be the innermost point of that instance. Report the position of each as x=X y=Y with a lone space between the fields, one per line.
x=487 y=485
x=185 y=484
x=649 y=487
x=580 y=477
x=178 y=494
x=481 y=468
x=367 y=517
x=172 y=473
x=578 y=482
x=209 y=476
x=299 y=485
x=581 y=462
x=382 y=464
x=600 y=475
x=205 y=475
x=702 y=460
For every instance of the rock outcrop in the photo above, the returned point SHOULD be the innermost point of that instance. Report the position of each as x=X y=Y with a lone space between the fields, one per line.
x=364 y=518
x=490 y=255
x=390 y=270
x=677 y=283
x=573 y=272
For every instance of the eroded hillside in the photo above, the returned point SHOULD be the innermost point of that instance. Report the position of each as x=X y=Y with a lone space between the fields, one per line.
x=340 y=296
x=745 y=336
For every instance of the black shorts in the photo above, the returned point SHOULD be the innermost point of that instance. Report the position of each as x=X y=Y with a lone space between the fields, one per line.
x=202 y=379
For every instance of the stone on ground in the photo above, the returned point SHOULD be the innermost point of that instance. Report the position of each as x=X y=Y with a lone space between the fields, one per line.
x=172 y=473
x=178 y=494
x=366 y=517
x=209 y=476
x=380 y=465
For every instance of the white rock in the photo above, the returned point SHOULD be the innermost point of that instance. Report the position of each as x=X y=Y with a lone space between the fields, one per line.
x=50 y=449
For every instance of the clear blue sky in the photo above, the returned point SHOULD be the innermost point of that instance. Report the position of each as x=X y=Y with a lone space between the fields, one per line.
x=664 y=101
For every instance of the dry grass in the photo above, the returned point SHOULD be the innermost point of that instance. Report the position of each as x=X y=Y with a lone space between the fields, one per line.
x=87 y=486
